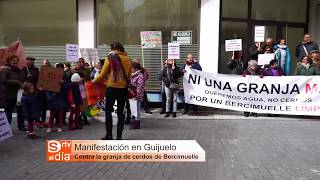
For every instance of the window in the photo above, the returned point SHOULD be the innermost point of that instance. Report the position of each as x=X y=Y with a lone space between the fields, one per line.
x=235 y=8
x=38 y=22
x=123 y=20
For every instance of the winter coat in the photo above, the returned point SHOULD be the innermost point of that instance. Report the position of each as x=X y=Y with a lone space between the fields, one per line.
x=273 y=71
x=58 y=100
x=193 y=66
x=237 y=67
x=287 y=64
x=34 y=71
x=85 y=73
x=74 y=95
x=303 y=71
x=12 y=79
x=169 y=75
x=30 y=105
x=137 y=82
x=253 y=52
x=300 y=52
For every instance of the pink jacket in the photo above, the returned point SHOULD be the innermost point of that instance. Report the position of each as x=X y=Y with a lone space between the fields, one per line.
x=137 y=82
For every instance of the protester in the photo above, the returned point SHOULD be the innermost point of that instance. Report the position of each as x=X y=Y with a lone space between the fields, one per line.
x=170 y=77
x=84 y=70
x=46 y=62
x=30 y=107
x=268 y=47
x=273 y=69
x=31 y=73
x=145 y=103
x=12 y=80
x=254 y=50
x=137 y=83
x=283 y=56
x=254 y=71
x=96 y=71
x=67 y=72
x=304 y=48
x=190 y=63
x=117 y=69
x=314 y=55
x=75 y=102
x=57 y=104
x=306 y=67
x=236 y=64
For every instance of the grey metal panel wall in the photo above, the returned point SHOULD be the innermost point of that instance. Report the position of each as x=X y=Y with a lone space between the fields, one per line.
x=55 y=54
x=152 y=59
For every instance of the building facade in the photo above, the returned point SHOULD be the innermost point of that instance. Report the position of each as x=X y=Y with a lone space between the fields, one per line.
x=45 y=26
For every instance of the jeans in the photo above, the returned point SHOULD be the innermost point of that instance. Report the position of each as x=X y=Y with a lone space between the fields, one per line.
x=112 y=95
x=171 y=95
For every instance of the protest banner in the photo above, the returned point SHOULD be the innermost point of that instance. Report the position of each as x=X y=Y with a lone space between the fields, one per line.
x=181 y=37
x=264 y=59
x=259 y=33
x=72 y=52
x=233 y=45
x=15 y=48
x=291 y=95
x=5 y=129
x=90 y=55
x=151 y=39
x=173 y=51
x=50 y=78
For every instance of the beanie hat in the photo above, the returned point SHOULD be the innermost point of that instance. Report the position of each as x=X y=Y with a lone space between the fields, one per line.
x=76 y=78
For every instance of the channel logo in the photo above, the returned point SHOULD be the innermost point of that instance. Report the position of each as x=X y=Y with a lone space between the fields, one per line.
x=59 y=151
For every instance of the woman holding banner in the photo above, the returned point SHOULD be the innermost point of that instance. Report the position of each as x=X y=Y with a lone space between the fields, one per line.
x=170 y=76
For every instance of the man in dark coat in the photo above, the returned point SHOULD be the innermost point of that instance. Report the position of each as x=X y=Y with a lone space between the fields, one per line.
x=304 y=48
x=30 y=72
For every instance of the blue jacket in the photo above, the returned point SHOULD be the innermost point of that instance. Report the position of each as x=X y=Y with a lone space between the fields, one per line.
x=300 y=52
x=30 y=106
x=58 y=100
x=287 y=64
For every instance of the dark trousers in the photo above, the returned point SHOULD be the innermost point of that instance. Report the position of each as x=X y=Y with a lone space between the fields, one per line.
x=11 y=105
x=58 y=115
x=128 y=109
x=112 y=95
x=30 y=123
x=42 y=99
x=74 y=117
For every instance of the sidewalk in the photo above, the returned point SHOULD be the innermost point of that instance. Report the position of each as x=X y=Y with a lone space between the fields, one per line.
x=237 y=148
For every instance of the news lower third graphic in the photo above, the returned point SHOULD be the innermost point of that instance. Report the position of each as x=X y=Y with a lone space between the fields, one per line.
x=124 y=151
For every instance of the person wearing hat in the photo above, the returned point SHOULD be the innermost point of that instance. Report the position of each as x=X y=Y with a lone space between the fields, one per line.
x=75 y=102
x=30 y=72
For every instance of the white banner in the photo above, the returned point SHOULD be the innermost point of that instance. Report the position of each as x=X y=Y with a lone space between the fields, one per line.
x=233 y=45
x=264 y=59
x=72 y=52
x=292 y=95
x=173 y=51
x=259 y=32
x=5 y=129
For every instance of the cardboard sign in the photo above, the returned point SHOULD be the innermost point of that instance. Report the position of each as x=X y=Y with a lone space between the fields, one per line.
x=233 y=45
x=264 y=59
x=173 y=51
x=5 y=129
x=151 y=39
x=49 y=78
x=72 y=52
x=259 y=32
x=90 y=54
x=181 y=37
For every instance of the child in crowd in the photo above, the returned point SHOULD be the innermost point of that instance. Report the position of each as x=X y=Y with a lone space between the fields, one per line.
x=57 y=104
x=254 y=71
x=273 y=69
x=30 y=108
x=75 y=101
x=137 y=83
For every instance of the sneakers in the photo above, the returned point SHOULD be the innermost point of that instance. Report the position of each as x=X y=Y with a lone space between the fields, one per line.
x=33 y=135
x=59 y=130
x=49 y=130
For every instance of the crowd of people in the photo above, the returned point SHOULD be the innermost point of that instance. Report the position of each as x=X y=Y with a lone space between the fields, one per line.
x=307 y=53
